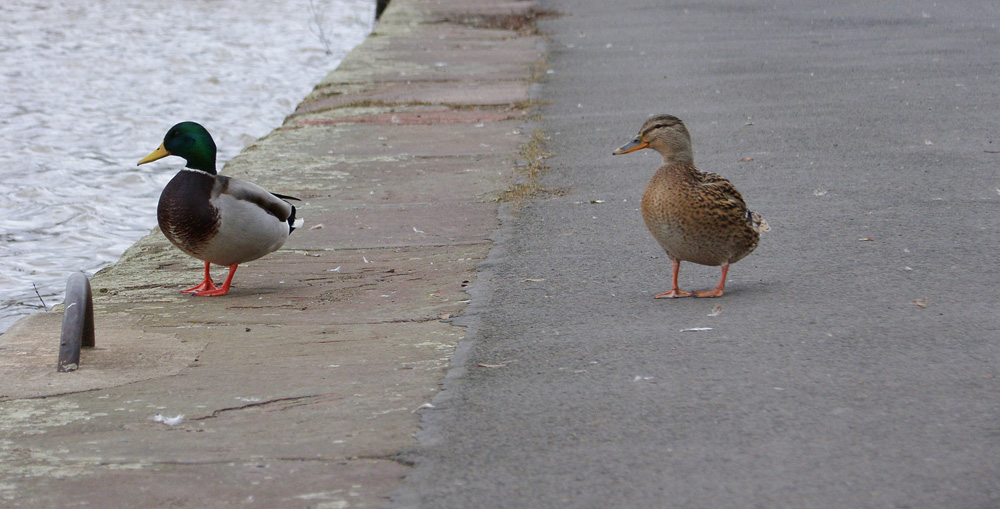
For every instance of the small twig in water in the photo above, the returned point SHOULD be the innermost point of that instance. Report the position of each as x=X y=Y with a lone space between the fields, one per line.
x=320 y=30
x=40 y=297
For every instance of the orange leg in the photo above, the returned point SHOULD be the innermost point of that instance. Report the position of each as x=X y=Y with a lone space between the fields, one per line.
x=224 y=289
x=674 y=292
x=207 y=284
x=718 y=289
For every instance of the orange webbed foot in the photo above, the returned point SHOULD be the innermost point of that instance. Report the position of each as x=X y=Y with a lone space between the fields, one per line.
x=222 y=290
x=711 y=293
x=672 y=294
x=718 y=289
x=206 y=285
x=213 y=292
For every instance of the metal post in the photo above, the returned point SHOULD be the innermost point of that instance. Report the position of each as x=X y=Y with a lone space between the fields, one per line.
x=78 y=323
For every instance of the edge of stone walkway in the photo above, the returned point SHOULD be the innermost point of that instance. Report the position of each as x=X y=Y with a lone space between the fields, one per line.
x=302 y=386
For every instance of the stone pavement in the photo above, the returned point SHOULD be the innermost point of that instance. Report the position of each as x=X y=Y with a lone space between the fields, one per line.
x=301 y=387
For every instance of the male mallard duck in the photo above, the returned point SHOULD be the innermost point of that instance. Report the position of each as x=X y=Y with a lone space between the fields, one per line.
x=697 y=217
x=212 y=217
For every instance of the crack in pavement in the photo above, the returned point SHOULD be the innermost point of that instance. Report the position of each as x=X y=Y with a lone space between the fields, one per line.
x=215 y=413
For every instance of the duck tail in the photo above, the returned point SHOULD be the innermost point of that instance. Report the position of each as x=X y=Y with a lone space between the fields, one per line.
x=757 y=222
x=294 y=223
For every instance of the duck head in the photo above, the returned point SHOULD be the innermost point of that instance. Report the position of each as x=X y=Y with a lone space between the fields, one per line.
x=665 y=134
x=190 y=141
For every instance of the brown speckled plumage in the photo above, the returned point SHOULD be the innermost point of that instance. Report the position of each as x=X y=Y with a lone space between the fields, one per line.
x=696 y=217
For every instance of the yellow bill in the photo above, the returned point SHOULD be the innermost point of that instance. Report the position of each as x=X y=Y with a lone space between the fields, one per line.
x=159 y=153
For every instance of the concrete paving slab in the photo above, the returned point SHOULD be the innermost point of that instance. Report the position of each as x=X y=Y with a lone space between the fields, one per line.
x=414 y=113
x=404 y=93
x=440 y=51
x=375 y=284
x=27 y=366
x=423 y=224
x=263 y=483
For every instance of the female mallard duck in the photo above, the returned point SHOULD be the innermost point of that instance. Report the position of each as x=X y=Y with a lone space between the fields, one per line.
x=697 y=217
x=214 y=218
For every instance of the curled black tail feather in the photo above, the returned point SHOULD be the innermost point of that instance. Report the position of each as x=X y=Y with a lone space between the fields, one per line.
x=292 y=223
x=285 y=197
x=291 y=220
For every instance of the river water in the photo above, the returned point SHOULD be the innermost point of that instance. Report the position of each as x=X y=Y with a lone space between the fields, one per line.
x=88 y=87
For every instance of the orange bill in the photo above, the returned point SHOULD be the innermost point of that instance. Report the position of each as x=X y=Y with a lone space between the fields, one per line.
x=631 y=146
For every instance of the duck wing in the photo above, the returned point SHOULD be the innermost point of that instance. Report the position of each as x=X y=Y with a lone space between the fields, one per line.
x=721 y=191
x=727 y=197
x=246 y=191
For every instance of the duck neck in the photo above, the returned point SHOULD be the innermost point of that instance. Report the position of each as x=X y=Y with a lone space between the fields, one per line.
x=682 y=156
x=198 y=151
x=202 y=162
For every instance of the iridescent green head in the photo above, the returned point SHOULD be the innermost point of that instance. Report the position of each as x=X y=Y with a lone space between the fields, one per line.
x=190 y=141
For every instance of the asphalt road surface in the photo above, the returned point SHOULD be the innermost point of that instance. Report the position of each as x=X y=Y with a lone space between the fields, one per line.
x=855 y=359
